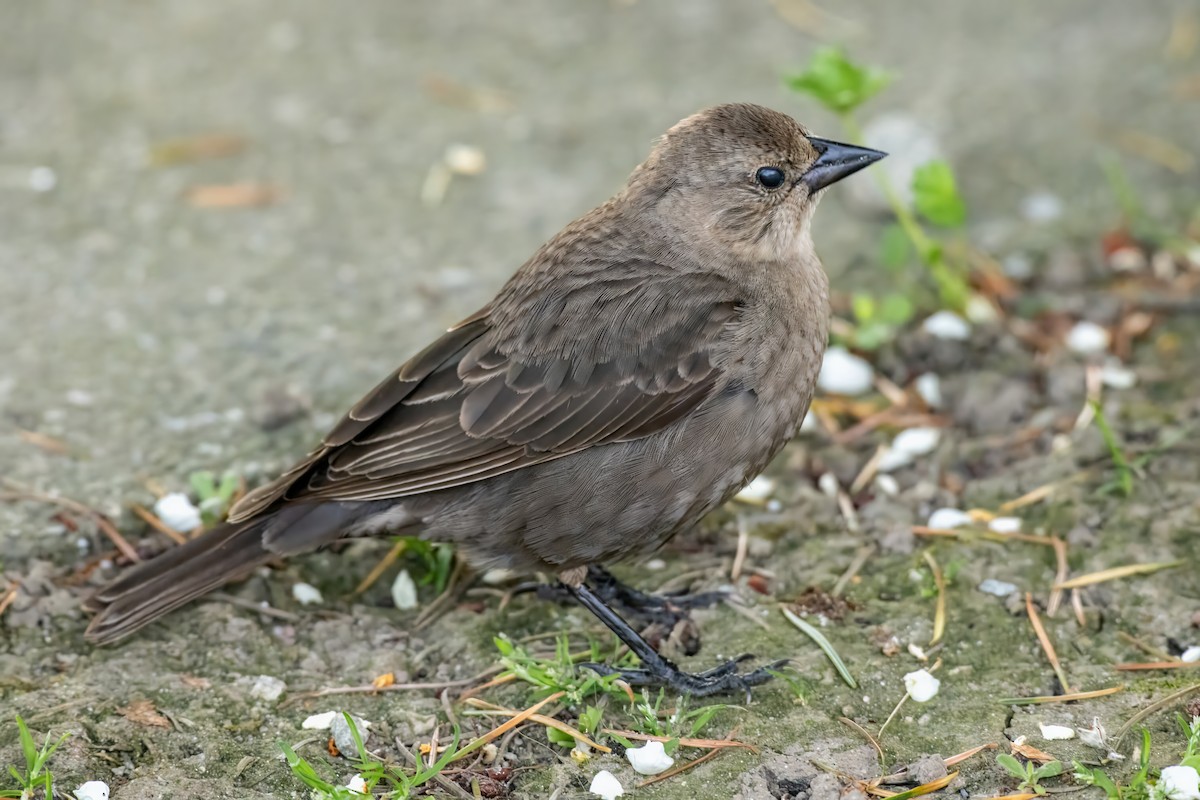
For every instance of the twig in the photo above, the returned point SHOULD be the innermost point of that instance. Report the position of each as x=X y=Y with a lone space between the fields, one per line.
x=1154 y=708
x=939 y=614
x=671 y=773
x=548 y=721
x=371 y=688
x=158 y=525
x=380 y=568
x=250 y=605
x=859 y=560
x=106 y=527
x=1051 y=656
x=743 y=546
x=9 y=596
x=1060 y=575
x=683 y=742
x=1117 y=572
x=1059 y=698
x=867 y=735
x=506 y=726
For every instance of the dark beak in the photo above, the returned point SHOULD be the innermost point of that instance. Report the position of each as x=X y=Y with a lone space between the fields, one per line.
x=836 y=161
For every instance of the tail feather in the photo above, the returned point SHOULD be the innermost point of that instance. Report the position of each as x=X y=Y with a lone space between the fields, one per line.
x=150 y=590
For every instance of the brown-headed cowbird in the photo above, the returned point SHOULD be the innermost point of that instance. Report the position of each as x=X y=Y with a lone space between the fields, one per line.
x=642 y=367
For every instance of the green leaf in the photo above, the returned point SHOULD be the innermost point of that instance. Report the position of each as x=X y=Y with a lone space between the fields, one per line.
x=1012 y=765
x=895 y=248
x=863 y=306
x=935 y=195
x=837 y=82
x=896 y=309
x=1050 y=769
x=559 y=738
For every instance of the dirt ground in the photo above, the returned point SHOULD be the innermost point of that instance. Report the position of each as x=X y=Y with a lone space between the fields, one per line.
x=144 y=336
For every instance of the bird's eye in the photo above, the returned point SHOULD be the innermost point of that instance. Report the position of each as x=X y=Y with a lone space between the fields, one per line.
x=769 y=177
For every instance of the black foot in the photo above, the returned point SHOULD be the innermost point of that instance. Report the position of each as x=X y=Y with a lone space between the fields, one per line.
x=648 y=609
x=719 y=679
x=659 y=671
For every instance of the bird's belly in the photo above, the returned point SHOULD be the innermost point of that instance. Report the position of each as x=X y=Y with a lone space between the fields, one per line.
x=610 y=502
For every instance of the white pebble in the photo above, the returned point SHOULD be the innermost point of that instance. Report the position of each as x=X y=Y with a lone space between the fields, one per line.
x=907 y=446
x=1178 y=783
x=92 y=790
x=997 y=588
x=357 y=784
x=947 y=325
x=893 y=459
x=1042 y=206
x=1018 y=266
x=757 y=492
x=266 y=687
x=842 y=372
x=1191 y=655
x=606 y=785
x=929 y=386
x=177 y=512
x=886 y=484
x=828 y=483
x=494 y=577
x=649 y=759
x=404 y=591
x=1087 y=338
x=922 y=687
x=465 y=159
x=980 y=310
x=1115 y=375
x=948 y=518
x=656 y=565
x=1053 y=732
x=319 y=722
x=1005 y=525
x=306 y=594
x=44 y=179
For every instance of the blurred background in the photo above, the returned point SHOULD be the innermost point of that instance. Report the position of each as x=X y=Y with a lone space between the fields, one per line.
x=209 y=207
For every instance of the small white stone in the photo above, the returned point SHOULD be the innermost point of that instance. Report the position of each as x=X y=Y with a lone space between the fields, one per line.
x=1116 y=375
x=828 y=483
x=1005 y=525
x=497 y=576
x=306 y=594
x=948 y=518
x=79 y=397
x=404 y=591
x=1018 y=266
x=893 y=459
x=656 y=565
x=997 y=588
x=357 y=784
x=177 y=512
x=922 y=687
x=1088 y=338
x=1052 y=732
x=649 y=759
x=916 y=651
x=92 y=790
x=44 y=179
x=929 y=387
x=907 y=446
x=980 y=310
x=947 y=325
x=319 y=722
x=267 y=687
x=842 y=372
x=1179 y=783
x=757 y=492
x=886 y=484
x=1041 y=207
x=464 y=159
x=606 y=785
x=1191 y=655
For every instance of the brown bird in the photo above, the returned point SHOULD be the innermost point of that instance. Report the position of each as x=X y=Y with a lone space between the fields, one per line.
x=642 y=367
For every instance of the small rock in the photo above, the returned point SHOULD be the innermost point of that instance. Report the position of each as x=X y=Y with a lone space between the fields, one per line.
x=929 y=387
x=757 y=492
x=649 y=759
x=1005 y=525
x=1115 y=375
x=947 y=325
x=306 y=594
x=842 y=372
x=948 y=519
x=404 y=591
x=1088 y=338
x=1056 y=732
x=998 y=588
x=921 y=686
x=886 y=484
x=606 y=785
x=927 y=769
x=268 y=688
x=1191 y=655
x=319 y=722
x=1042 y=207
x=44 y=179
x=980 y=310
x=92 y=790
x=343 y=738
x=464 y=159
x=1017 y=266
x=828 y=484
x=177 y=512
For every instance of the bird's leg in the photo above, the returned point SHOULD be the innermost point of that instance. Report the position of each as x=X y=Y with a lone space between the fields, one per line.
x=657 y=670
x=666 y=610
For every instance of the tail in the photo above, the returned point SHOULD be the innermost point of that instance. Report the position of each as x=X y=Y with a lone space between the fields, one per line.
x=178 y=576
